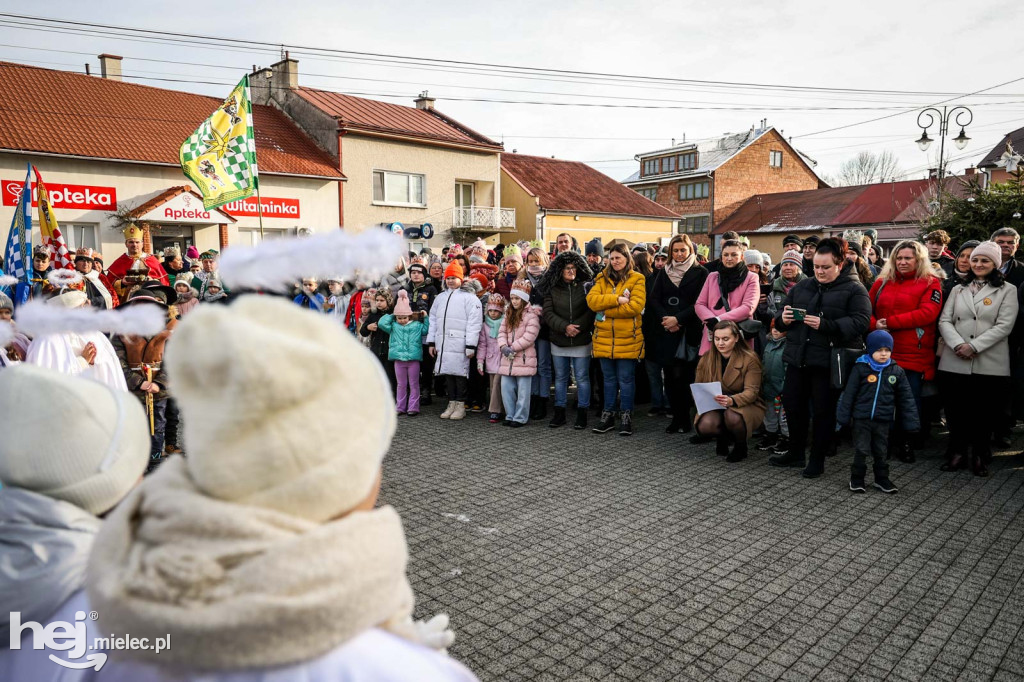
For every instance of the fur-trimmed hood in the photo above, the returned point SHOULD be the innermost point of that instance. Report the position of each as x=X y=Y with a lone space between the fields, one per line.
x=553 y=274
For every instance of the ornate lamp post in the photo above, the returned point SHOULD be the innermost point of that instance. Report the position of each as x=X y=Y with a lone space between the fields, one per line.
x=959 y=115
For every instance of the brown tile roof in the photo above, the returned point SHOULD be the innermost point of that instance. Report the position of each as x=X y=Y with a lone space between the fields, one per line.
x=56 y=112
x=358 y=114
x=574 y=186
x=814 y=209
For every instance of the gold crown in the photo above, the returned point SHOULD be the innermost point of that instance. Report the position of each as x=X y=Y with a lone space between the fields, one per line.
x=133 y=232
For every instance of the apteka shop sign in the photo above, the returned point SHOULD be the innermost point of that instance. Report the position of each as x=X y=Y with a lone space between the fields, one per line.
x=85 y=197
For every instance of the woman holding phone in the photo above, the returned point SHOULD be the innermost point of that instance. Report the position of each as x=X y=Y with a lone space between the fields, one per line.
x=831 y=310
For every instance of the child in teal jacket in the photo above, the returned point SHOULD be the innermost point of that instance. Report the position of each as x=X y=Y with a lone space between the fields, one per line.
x=407 y=332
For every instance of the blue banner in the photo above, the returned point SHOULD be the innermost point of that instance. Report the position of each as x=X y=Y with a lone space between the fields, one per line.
x=18 y=254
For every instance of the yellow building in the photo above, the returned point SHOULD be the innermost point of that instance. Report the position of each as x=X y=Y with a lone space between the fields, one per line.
x=552 y=196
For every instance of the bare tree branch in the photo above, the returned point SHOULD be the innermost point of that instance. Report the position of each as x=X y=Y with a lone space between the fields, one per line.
x=867 y=168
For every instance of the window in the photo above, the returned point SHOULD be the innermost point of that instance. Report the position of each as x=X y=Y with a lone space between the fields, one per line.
x=693 y=190
x=688 y=161
x=82 y=237
x=775 y=159
x=695 y=224
x=649 y=192
x=652 y=167
x=668 y=164
x=398 y=188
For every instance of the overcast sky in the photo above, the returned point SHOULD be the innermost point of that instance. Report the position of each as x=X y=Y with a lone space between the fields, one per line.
x=930 y=47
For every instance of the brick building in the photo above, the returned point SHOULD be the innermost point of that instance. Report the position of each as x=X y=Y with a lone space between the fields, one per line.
x=706 y=182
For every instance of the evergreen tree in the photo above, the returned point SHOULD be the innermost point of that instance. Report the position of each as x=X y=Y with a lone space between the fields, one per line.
x=980 y=212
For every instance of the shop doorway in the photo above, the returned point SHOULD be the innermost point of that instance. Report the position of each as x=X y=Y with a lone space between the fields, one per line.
x=181 y=236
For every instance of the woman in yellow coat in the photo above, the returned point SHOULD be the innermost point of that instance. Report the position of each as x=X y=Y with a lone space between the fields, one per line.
x=618 y=297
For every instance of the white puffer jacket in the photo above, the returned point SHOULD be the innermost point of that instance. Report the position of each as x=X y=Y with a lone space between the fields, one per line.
x=455 y=321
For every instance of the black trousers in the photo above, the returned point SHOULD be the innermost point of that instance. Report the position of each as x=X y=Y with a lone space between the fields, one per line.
x=810 y=387
x=458 y=387
x=679 y=374
x=477 y=384
x=870 y=438
x=156 y=440
x=173 y=422
x=973 y=410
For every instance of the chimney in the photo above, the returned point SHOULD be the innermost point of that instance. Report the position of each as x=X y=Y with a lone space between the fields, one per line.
x=425 y=101
x=110 y=66
x=286 y=73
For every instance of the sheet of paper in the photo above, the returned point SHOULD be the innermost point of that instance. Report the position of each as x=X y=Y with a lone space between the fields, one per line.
x=704 y=396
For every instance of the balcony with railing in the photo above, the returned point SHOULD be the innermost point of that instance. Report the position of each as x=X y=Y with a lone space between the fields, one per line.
x=484 y=219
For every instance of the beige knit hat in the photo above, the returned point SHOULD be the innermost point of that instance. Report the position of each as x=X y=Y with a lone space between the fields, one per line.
x=282 y=408
x=70 y=438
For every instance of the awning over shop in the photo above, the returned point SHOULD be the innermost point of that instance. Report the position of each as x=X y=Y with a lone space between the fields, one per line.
x=179 y=205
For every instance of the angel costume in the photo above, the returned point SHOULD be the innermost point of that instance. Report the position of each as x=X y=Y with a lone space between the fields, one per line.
x=63 y=353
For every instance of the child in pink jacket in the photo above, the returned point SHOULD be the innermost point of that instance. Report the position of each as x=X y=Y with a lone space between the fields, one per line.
x=516 y=339
x=489 y=351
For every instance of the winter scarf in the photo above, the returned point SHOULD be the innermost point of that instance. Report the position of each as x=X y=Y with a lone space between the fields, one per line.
x=875 y=366
x=43 y=554
x=243 y=586
x=94 y=277
x=729 y=279
x=675 y=271
x=493 y=326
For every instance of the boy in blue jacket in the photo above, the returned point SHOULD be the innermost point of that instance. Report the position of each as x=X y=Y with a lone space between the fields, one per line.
x=876 y=391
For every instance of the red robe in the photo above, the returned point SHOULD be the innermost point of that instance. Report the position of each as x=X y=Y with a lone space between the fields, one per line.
x=119 y=268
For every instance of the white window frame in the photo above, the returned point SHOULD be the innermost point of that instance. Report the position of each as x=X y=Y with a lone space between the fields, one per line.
x=72 y=230
x=384 y=188
x=772 y=156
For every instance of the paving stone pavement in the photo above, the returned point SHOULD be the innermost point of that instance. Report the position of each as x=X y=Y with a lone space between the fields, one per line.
x=567 y=555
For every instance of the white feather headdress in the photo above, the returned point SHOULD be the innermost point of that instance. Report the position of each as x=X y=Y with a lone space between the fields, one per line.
x=64 y=278
x=8 y=281
x=36 y=318
x=277 y=264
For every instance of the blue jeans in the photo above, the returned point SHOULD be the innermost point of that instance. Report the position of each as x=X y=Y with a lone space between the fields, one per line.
x=619 y=376
x=515 y=397
x=581 y=368
x=657 y=384
x=541 y=384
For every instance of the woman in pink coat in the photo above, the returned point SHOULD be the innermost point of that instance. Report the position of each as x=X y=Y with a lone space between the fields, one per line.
x=517 y=341
x=732 y=282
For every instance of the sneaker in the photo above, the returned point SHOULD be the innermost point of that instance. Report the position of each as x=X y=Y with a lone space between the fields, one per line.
x=476 y=408
x=782 y=446
x=626 y=425
x=857 y=484
x=885 y=485
x=412 y=414
x=768 y=442
x=655 y=411
x=606 y=424
x=494 y=417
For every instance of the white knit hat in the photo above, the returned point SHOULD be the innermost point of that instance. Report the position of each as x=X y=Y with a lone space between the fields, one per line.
x=990 y=250
x=752 y=257
x=283 y=409
x=70 y=438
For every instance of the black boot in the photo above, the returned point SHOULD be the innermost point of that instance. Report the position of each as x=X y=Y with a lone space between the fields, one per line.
x=540 y=407
x=581 y=418
x=558 y=418
x=722 y=445
x=739 y=452
x=678 y=424
x=787 y=460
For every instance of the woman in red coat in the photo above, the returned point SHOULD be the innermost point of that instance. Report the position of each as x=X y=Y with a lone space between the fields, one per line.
x=906 y=301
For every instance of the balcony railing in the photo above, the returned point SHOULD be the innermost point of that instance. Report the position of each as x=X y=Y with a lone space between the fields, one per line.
x=483 y=218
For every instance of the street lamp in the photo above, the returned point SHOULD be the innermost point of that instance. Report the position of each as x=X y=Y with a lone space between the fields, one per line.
x=959 y=115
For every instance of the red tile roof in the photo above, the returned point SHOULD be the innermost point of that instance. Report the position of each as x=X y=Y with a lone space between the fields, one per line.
x=574 y=186
x=358 y=114
x=56 y=112
x=813 y=209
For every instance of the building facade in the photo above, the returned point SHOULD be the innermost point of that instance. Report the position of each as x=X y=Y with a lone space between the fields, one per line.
x=551 y=196
x=113 y=157
x=409 y=168
x=704 y=183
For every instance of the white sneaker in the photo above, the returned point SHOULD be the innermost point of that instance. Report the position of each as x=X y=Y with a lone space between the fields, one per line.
x=459 y=412
x=448 y=410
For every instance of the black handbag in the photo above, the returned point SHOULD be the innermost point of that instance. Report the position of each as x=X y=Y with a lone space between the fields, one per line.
x=751 y=328
x=841 y=363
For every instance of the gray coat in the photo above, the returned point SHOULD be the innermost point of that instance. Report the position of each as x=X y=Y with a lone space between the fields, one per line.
x=983 y=320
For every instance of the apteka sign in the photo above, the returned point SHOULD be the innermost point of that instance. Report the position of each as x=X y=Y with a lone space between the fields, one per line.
x=86 y=197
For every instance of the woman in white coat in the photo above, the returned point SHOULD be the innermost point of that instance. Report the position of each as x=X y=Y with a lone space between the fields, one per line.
x=455 y=321
x=59 y=476
x=974 y=368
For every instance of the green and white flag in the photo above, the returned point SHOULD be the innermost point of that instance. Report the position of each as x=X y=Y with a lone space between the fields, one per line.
x=220 y=156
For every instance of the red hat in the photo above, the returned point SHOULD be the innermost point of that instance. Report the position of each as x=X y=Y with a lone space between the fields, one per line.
x=486 y=284
x=454 y=269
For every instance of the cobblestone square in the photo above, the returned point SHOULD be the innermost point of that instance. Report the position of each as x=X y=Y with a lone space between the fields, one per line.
x=567 y=555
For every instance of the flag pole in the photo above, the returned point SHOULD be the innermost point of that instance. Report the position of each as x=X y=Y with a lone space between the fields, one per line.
x=259 y=208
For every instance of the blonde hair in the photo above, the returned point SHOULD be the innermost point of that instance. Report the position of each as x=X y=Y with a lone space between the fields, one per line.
x=924 y=263
x=540 y=253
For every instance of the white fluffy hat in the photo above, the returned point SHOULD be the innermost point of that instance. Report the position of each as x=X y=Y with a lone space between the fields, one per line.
x=70 y=438
x=283 y=409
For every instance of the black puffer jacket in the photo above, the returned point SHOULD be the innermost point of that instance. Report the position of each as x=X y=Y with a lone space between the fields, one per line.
x=878 y=395
x=566 y=303
x=845 y=309
x=665 y=299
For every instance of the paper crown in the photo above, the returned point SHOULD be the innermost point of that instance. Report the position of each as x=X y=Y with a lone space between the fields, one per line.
x=133 y=231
